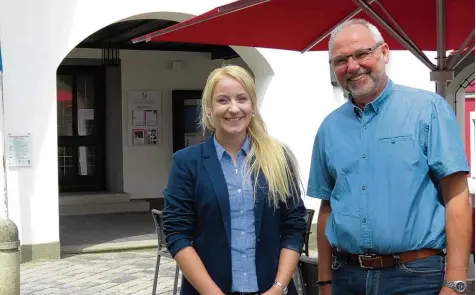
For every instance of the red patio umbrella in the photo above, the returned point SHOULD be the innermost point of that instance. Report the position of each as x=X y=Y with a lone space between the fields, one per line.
x=303 y=25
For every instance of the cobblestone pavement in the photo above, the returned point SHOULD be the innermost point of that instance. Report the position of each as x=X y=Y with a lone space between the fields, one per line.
x=117 y=273
x=105 y=273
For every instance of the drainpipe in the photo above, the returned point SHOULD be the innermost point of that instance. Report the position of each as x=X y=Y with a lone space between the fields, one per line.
x=9 y=242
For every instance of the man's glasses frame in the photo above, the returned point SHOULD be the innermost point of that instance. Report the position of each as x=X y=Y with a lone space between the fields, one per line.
x=359 y=56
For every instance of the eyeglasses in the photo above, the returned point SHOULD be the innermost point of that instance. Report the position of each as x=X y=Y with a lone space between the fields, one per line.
x=359 y=56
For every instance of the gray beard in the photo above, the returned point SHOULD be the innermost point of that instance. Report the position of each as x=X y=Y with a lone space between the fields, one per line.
x=366 y=91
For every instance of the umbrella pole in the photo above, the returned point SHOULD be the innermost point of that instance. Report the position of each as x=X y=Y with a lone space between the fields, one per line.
x=441 y=75
x=441 y=78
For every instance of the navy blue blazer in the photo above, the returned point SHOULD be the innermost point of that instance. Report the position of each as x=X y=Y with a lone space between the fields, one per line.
x=197 y=213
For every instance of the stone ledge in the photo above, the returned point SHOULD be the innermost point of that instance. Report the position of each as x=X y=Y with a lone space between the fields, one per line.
x=104 y=208
x=40 y=251
x=109 y=247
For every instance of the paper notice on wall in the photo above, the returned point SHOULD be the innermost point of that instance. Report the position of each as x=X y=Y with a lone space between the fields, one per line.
x=151 y=117
x=138 y=118
x=19 y=150
x=138 y=136
x=86 y=114
x=144 y=109
x=152 y=136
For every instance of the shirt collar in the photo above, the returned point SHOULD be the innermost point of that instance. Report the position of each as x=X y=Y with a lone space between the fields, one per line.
x=245 y=147
x=377 y=103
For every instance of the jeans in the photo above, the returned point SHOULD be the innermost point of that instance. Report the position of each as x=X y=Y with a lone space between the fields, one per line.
x=420 y=277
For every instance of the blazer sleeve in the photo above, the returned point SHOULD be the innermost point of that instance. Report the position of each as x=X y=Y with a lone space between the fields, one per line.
x=178 y=214
x=293 y=223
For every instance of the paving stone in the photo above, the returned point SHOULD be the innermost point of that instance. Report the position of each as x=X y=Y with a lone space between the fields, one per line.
x=104 y=273
x=124 y=279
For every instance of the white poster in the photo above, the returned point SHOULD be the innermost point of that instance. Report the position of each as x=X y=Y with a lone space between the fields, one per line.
x=19 y=150
x=152 y=136
x=138 y=137
x=138 y=118
x=144 y=109
x=151 y=117
x=86 y=114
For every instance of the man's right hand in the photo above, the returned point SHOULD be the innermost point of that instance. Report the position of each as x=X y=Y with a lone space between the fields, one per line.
x=325 y=290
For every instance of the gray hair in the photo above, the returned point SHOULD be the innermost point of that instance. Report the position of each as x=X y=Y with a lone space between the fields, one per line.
x=356 y=21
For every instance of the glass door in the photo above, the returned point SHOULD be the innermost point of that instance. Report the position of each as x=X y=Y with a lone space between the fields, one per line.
x=186 y=107
x=81 y=128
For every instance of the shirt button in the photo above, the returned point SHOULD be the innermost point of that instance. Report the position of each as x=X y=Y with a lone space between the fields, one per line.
x=364 y=220
x=365 y=127
x=243 y=255
x=242 y=211
x=239 y=190
x=245 y=274
x=364 y=156
x=242 y=232
x=363 y=187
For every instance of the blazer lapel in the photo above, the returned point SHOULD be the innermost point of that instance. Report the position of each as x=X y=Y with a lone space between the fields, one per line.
x=215 y=172
x=261 y=195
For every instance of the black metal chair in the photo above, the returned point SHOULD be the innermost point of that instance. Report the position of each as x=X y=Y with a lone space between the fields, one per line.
x=309 y=216
x=162 y=250
x=308 y=273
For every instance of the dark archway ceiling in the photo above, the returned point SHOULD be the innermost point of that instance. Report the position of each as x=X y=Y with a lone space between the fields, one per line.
x=118 y=36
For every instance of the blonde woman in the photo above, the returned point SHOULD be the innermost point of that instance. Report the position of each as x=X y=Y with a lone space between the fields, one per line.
x=234 y=217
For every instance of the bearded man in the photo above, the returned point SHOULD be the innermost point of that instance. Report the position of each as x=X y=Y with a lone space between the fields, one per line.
x=390 y=168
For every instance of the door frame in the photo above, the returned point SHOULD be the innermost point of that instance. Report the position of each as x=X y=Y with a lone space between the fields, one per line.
x=96 y=182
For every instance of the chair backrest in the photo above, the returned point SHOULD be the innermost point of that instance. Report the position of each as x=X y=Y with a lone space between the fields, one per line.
x=309 y=216
x=308 y=268
x=159 y=226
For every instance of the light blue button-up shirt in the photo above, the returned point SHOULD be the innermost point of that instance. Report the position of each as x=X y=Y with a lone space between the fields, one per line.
x=243 y=238
x=380 y=167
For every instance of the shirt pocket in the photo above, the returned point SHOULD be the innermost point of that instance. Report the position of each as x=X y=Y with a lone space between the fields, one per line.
x=395 y=139
x=399 y=152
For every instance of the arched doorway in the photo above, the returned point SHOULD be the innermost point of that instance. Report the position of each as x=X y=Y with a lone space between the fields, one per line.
x=122 y=110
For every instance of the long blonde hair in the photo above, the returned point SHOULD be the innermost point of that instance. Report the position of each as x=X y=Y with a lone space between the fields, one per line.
x=276 y=161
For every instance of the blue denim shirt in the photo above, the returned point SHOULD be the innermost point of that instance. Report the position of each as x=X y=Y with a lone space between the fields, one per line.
x=243 y=238
x=380 y=168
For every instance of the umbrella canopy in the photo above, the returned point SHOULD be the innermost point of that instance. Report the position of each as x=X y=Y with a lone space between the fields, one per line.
x=295 y=25
x=305 y=25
